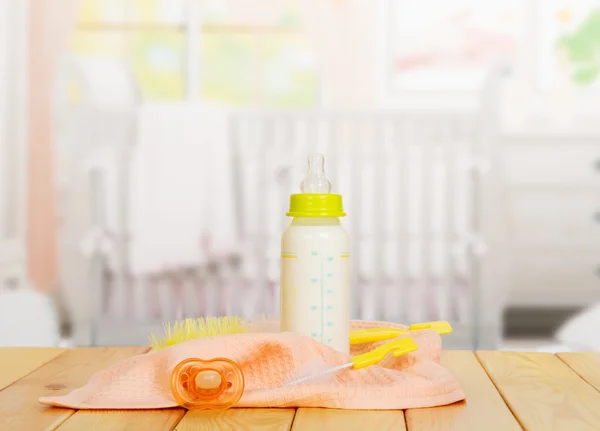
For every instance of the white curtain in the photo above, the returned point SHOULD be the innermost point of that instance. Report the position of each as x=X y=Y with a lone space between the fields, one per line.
x=49 y=26
x=344 y=34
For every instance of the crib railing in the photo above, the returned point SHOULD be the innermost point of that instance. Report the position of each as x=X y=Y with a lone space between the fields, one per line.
x=411 y=184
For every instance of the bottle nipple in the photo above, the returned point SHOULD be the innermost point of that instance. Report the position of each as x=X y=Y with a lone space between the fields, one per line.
x=315 y=180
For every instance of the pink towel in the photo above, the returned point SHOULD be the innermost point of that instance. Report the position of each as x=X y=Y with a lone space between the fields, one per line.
x=267 y=359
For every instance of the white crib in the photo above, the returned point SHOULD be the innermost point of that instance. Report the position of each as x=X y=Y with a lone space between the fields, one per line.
x=419 y=188
x=416 y=188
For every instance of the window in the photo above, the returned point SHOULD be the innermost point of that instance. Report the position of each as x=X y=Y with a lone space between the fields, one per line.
x=147 y=35
x=570 y=32
x=276 y=63
x=439 y=45
x=188 y=49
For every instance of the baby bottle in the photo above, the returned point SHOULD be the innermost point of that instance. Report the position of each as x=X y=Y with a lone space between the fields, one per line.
x=315 y=263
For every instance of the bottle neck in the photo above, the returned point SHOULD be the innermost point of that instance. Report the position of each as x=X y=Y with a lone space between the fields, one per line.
x=315 y=221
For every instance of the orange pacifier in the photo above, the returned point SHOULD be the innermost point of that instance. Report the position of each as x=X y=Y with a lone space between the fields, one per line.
x=215 y=384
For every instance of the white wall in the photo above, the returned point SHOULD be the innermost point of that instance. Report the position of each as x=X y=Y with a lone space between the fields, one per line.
x=3 y=112
x=13 y=97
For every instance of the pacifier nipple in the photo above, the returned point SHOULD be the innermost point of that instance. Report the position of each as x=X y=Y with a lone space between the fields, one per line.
x=315 y=180
x=208 y=380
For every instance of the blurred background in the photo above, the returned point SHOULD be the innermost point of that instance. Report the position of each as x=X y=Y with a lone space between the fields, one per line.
x=148 y=149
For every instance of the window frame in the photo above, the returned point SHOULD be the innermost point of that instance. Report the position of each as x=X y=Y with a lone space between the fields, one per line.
x=193 y=31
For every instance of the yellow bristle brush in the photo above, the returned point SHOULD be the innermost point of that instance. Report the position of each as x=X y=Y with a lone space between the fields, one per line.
x=200 y=327
x=193 y=328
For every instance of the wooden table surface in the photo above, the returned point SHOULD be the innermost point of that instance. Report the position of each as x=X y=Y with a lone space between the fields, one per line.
x=505 y=391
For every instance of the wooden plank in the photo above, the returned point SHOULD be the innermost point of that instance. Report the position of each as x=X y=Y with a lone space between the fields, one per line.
x=123 y=420
x=586 y=364
x=19 y=405
x=483 y=409
x=16 y=362
x=348 y=420
x=542 y=392
x=238 y=419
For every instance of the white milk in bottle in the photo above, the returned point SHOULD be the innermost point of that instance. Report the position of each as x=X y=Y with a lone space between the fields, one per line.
x=315 y=263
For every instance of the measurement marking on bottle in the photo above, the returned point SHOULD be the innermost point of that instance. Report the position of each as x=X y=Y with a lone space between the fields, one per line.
x=345 y=255
x=327 y=264
x=286 y=255
x=322 y=301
